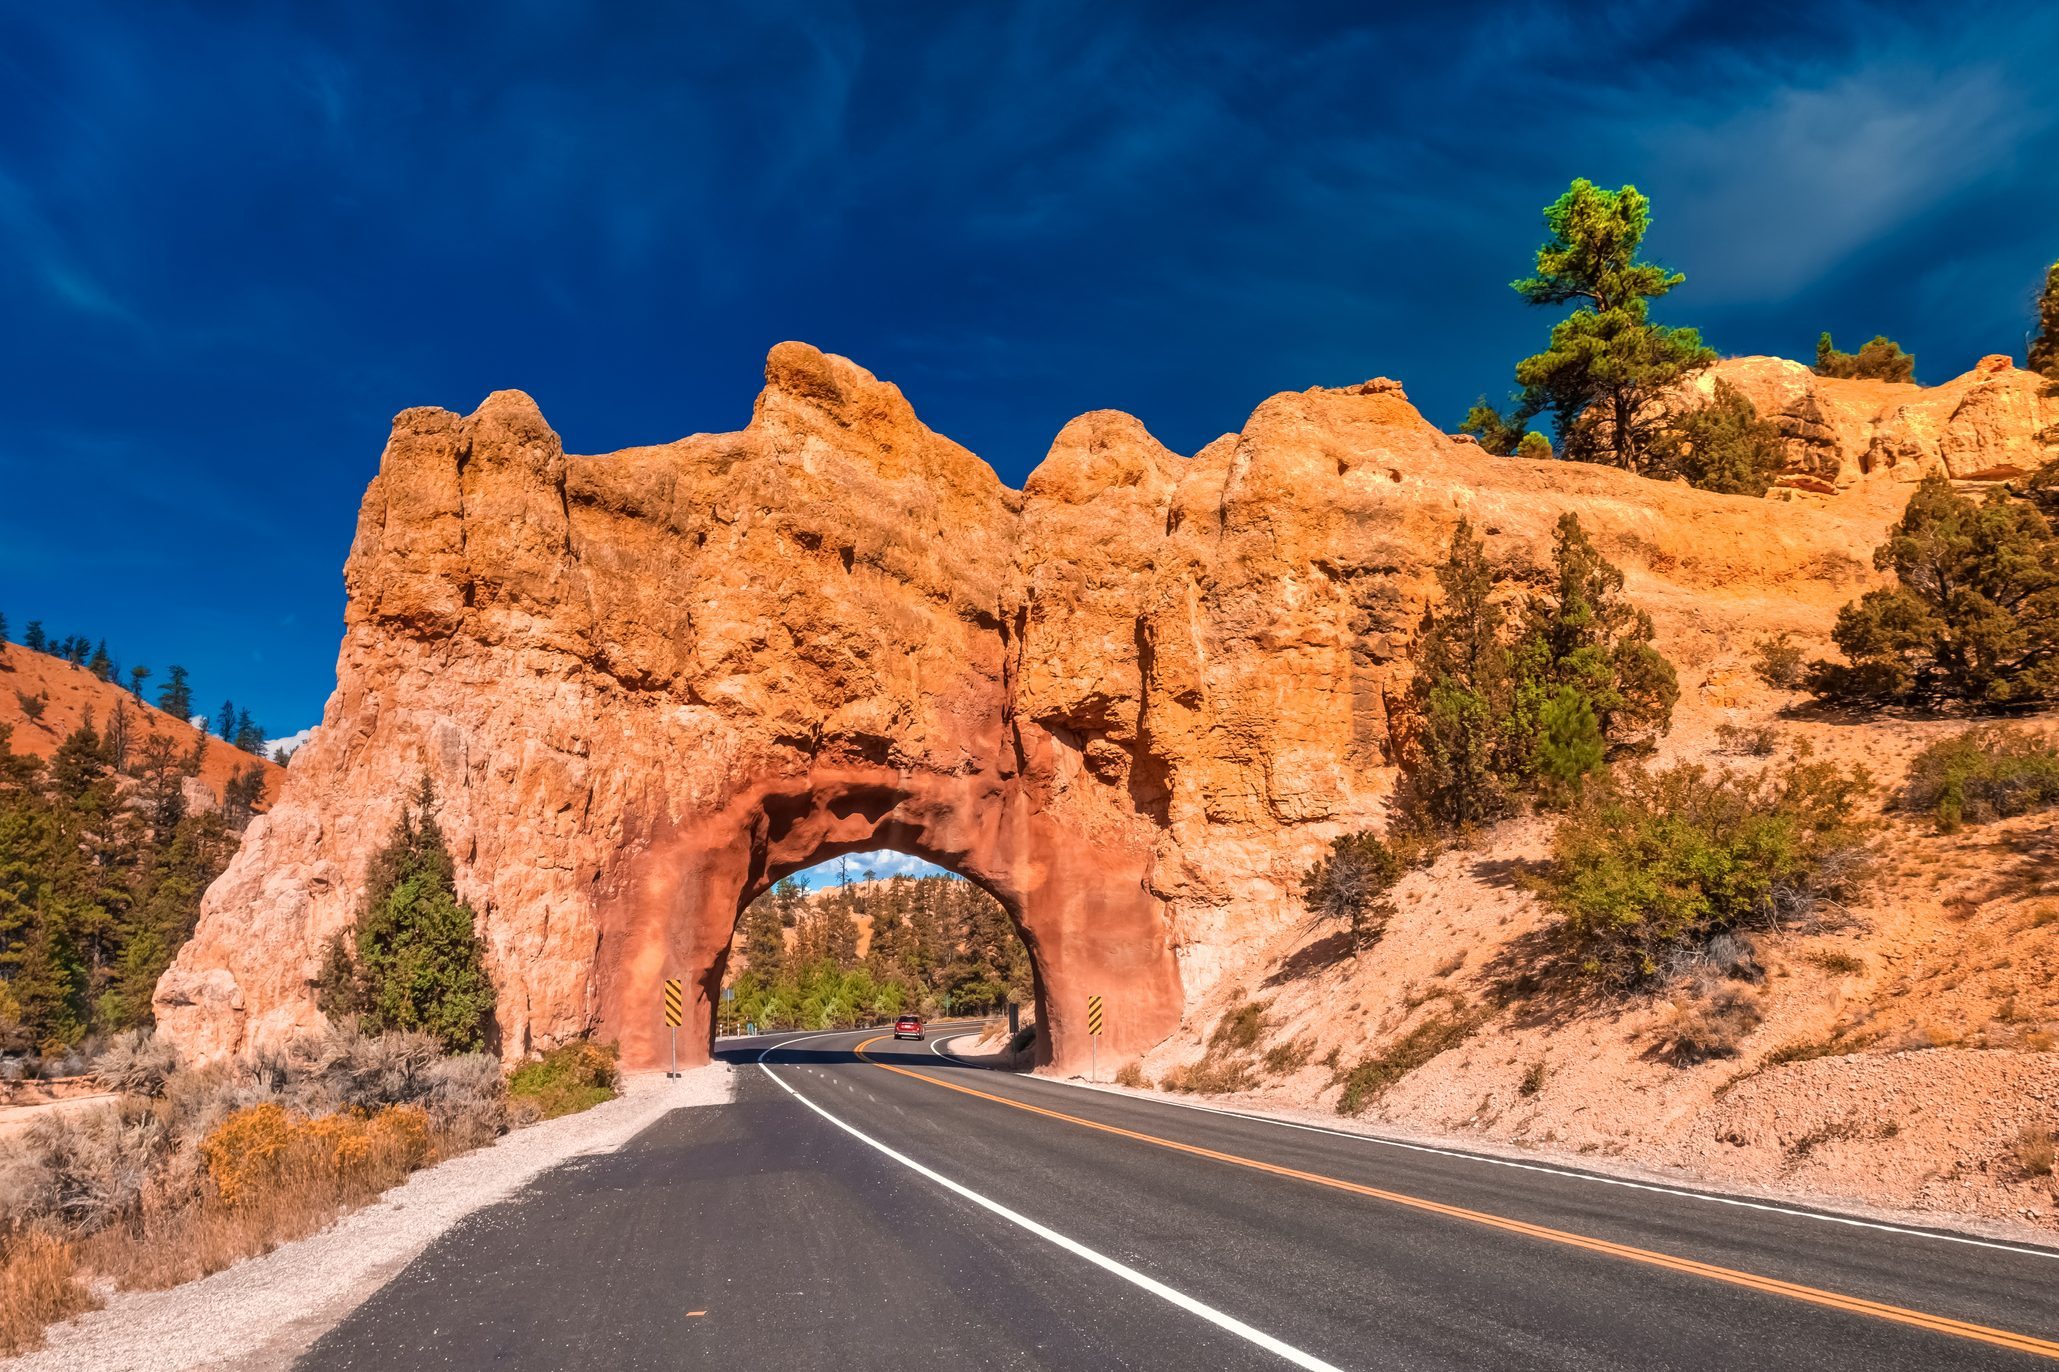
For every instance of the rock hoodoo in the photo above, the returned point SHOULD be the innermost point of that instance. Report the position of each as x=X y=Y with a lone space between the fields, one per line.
x=1131 y=700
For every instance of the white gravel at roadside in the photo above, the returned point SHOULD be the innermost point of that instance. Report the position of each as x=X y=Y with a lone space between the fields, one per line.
x=264 y=1312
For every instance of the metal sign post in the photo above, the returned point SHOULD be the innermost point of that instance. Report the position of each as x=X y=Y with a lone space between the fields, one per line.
x=1094 y=1038
x=673 y=999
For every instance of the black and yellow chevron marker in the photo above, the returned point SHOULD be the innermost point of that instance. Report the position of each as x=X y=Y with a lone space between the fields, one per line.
x=1094 y=1015
x=674 y=997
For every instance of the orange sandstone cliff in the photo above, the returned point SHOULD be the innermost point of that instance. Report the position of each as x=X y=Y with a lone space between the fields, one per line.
x=1132 y=699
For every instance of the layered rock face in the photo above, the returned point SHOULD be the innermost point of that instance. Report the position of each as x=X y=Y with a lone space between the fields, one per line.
x=1995 y=423
x=1132 y=700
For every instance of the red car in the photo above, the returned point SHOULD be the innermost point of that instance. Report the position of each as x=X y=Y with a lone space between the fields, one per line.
x=908 y=1027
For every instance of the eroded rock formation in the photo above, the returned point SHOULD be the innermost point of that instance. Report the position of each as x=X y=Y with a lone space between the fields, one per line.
x=1132 y=699
x=1994 y=423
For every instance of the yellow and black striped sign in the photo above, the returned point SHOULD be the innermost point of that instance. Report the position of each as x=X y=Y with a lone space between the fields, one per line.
x=672 y=1001
x=1094 y=1015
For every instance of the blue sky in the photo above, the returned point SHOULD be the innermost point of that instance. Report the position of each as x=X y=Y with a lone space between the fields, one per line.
x=239 y=238
x=881 y=864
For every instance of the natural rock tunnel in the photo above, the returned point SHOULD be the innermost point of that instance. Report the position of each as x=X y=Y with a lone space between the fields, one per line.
x=1132 y=700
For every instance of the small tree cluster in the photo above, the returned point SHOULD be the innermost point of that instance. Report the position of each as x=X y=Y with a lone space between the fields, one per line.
x=938 y=943
x=101 y=872
x=1973 y=616
x=1503 y=705
x=1880 y=359
x=414 y=961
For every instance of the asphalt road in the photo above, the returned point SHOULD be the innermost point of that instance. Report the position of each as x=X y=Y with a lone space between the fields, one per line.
x=896 y=1209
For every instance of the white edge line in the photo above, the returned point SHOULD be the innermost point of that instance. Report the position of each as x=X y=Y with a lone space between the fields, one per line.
x=1712 y=1197
x=1129 y=1274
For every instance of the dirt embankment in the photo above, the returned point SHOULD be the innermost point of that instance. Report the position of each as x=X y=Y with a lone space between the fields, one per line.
x=1903 y=1055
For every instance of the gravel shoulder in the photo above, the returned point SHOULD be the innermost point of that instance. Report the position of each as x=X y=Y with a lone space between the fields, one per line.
x=264 y=1312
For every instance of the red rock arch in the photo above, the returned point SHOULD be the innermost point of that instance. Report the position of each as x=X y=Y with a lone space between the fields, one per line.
x=647 y=683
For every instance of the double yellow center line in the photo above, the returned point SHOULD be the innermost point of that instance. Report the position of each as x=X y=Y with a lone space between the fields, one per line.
x=1939 y=1324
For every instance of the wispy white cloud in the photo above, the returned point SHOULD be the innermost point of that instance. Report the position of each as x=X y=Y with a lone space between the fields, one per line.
x=1772 y=195
x=290 y=742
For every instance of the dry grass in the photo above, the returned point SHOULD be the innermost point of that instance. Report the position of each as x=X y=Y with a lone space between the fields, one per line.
x=1827 y=1132
x=1292 y=1056
x=2033 y=1149
x=1808 y=1050
x=1710 y=1023
x=572 y=1077
x=1533 y=1079
x=40 y=1284
x=201 y=1169
x=1837 y=962
x=1743 y=741
x=1214 y=1075
x=1365 y=1083
x=1131 y=1074
x=271 y=1177
x=1240 y=1030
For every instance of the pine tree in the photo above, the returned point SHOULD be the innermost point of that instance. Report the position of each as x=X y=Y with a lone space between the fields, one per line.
x=175 y=697
x=1587 y=635
x=137 y=676
x=764 y=939
x=790 y=899
x=840 y=929
x=161 y=792
x=418 y=963
x=80 y=760
x=1461 y=696
x=101 y=664
x=116 y=744
x=1496 y=432
x=1604 y=376
x=1569 y=742
x=248 y=737
x=2044 y=349
x=3 y=630
x=225 y=723
x=241 y=795
x=1973 y=616
x=34 y=639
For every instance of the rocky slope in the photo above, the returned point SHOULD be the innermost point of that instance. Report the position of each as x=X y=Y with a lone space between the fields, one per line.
x=1995 y=423
x=1133 y=699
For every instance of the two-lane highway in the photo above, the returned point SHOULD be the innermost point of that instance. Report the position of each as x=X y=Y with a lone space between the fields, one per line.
x=871 y=1204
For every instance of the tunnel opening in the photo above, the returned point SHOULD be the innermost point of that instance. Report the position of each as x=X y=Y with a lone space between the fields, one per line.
x=1102 y=977
x=861 y=938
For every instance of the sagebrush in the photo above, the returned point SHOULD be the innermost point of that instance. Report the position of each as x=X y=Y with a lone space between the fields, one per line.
x=1984 y=773
x=1665 y=860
